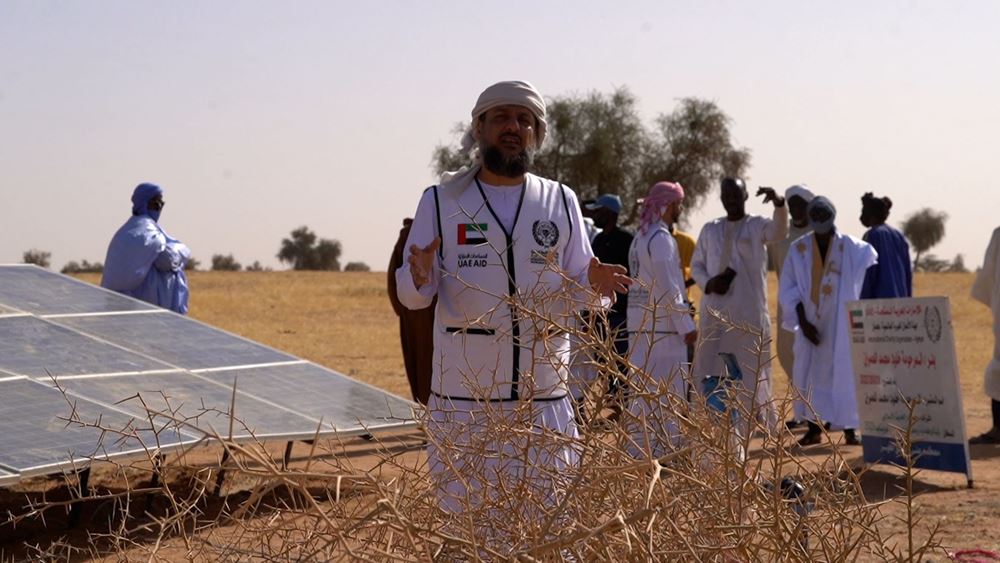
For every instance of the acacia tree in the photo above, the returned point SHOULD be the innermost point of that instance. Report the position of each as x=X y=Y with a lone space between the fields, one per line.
x=305 y=252
x=598 y=144
x=924 y=229
x=37 y=257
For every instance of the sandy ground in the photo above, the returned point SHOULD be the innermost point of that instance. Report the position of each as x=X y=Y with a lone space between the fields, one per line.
x=344 y=321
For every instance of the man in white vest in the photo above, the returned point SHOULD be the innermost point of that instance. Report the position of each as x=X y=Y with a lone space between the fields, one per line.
x=507 y=255
x=730 y=266
x=659 y=321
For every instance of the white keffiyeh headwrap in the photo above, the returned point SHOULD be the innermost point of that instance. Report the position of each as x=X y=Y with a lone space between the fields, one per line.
x=511 y=92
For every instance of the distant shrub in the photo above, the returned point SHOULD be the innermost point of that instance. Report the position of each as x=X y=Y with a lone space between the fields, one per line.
x=958 y=265
x=37 y=257
x=357 y=267
x=304 y=251
x=225 y=263
x=82 y=267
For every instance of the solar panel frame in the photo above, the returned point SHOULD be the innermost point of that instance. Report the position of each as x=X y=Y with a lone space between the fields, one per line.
x=27 y=447
x=88 y=298
x=188 y=396
x=8 y=478
x=40 y=348
x=172 y=344
x=258 y=381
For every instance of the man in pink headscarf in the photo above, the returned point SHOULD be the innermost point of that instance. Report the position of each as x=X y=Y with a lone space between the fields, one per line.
x=659 y=321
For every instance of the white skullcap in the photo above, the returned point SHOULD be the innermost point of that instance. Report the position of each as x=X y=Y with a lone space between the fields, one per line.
x=800 y=190
x=515 y=93
x=510 y=92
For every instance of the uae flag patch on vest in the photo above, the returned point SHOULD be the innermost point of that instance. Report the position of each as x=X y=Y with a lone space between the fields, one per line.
x=472 y=233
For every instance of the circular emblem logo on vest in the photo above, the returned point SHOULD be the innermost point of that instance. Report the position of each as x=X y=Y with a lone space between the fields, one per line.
x=546 y=233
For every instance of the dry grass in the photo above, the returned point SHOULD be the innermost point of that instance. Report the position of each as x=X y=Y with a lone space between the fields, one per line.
x=335 y=504
x=344 y=321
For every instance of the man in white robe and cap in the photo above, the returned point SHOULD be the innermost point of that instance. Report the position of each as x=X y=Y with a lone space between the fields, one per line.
x=508 y=257
x=986 y=290
x=822 y=272
x=659 y=321
x=730 y=267
x=797 y=197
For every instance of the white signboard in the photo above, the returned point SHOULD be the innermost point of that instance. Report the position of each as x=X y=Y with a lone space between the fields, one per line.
x=904 y=350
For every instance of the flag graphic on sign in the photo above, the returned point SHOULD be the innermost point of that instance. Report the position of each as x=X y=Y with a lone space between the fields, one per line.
x=856 y=316
x=472 y=233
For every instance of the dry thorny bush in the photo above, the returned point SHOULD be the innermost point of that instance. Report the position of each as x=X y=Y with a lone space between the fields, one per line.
x=711 y=495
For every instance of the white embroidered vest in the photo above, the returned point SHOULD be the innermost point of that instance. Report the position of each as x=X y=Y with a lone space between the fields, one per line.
x=502 y=300
x=649 y=305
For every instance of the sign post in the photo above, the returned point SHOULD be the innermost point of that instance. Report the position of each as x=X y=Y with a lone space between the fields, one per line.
x=903 y=350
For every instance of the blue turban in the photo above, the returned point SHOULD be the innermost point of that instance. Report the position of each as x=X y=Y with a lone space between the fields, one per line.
x=141 y=196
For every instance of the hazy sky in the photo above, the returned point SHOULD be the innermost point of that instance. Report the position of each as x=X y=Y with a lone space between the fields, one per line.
x=259 y=117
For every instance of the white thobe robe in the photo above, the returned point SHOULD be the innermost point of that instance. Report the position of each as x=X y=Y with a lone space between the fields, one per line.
x=658 y=319
x=744 y=250
x=986 y=290
x=823 y=375
x=785 y=338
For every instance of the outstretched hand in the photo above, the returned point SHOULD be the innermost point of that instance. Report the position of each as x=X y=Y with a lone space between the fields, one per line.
x=607 y=279
x=421 y=262
x=770 y=195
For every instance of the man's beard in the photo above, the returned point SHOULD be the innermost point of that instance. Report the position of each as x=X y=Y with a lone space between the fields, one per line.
x=508 y=167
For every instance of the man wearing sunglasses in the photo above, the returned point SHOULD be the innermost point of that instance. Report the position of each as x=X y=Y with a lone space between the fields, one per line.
x=145 y=262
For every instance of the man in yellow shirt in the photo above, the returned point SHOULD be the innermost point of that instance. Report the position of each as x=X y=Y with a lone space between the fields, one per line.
x=685 y=250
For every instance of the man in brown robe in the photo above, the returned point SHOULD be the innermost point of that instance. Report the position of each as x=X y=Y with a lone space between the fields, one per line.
x=415 y=328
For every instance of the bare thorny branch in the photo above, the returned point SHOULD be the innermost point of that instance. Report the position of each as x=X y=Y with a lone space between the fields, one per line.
x=708 y=498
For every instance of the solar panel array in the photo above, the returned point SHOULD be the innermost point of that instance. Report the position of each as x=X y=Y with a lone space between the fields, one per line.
x=77 y=361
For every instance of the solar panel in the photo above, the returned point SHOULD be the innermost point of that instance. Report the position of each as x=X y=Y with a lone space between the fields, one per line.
x=341 y=402
x=115 y=357
x=37 y=290
x=38 y=439
x=39 y=348
x=177 y=340
x=185 y=397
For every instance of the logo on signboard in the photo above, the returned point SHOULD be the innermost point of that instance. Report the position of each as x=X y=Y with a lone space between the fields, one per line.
x=472 y=233
x=932 y=322
x=856 y=316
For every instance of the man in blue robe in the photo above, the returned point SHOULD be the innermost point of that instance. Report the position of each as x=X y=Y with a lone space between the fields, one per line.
x=145 y=262
x=893 y=275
